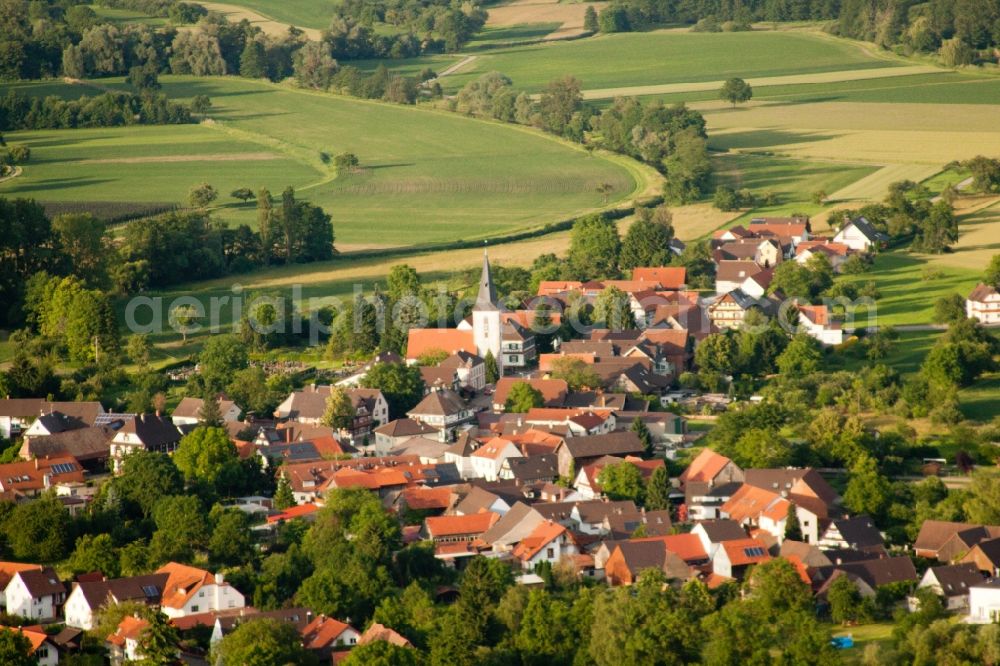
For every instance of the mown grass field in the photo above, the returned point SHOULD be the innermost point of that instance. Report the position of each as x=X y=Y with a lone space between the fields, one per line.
x=426 y=176
x=303 y=13
x=660 y=57
x=128 y=16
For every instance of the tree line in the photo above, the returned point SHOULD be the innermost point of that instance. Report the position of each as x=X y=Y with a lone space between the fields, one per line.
x=19 y=112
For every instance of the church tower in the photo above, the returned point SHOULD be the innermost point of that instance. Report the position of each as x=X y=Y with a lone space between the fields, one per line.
x=486 y=317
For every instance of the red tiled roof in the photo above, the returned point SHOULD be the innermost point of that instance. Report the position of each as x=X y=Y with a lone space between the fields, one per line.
x=737 y=551
x=749 y=502
x=704 y=467
x=419 y=498
x=323 y=632
x=668 y=277
x=540 y=537
x=129 y=627
x=553 y=390
x=449 y=340
x=685 y=546
x=297 y=511
x=476 y=523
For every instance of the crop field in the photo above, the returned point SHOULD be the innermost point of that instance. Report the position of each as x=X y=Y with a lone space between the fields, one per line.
x=425 y=176
x=314 y=14
x=565 y=17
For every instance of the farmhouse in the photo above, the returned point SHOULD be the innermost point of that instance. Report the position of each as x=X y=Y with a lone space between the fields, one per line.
x=859 y=235
x=984 y=304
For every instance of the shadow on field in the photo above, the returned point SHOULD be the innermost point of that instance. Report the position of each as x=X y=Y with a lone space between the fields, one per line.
x=63 y=183
x=767 y=138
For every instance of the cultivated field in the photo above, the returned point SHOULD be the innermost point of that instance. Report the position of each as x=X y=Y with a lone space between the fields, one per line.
x=315 y=14
x=266 y=20
x=426 y=176
x=567 y=17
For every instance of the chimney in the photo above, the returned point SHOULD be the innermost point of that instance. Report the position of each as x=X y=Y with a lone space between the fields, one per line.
x=220 y=578
x=36 y=463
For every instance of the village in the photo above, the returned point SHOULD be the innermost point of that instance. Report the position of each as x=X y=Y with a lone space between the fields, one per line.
x=583 y=456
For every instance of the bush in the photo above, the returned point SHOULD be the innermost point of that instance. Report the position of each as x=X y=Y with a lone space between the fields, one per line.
x=707 y=24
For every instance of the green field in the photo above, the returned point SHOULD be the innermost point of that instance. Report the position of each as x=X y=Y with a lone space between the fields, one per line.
x=426 y=176
x=301 y=13
x=127 y=16
x=638 y=59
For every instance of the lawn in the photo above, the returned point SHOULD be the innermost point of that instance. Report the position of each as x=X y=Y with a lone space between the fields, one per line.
x=427 y=176
x=863 y=635
x=127 y=16
x=660 y=57
x=906 y=355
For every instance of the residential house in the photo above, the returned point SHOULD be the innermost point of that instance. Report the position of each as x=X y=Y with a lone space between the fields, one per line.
x=530 y=470
x=324 y=636
x=37 y=594
x=517 y=346
x=815 y=321
x=577 y=452
x=947 y=541
x=123 y=643
x=188 y=411
x=469 y=368
x=549 y=542
x=707 y=483
x=835 y=253
x=513 y=527
x=553 y=391
x=712 y=533
x=759 y=508
x=380 y=632
x=88 y=596
x=90 y=446
x=33 y=477
x=791 y=229
x=308 y=405
x=952 y=581
x=857 y=533
x=444 y=410
x=630 y=558
x=395 y=433
x=577 y=422
x=733 y=558
x=190 y=590
x=878 y=572
x=43 y=650
x=225 y=623
x=984 y=602
x=667 y=278
x=984 y=304
x=460 y=454
x=859 y=235
x=148 y=432
x=730 y=309
x=488 y=458
x=986 y=556
x=422 y=342
x=457 y=528
x=18 y=414
x=730 y=274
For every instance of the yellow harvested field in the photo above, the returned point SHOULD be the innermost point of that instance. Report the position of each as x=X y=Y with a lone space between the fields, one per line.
x=979 y=234
x=695 y=221
x=874 y=187
x=935 y=134
x=235 y=14
x=526 y=12
x=760 y=82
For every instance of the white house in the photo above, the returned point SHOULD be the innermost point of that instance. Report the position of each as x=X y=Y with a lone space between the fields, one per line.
x=548 y=542
x=488 y=458
x=35 y=594
x=188 y=411
x=442 y=409
x=984 y=304
x=88 y=597
x=190 y=590
x=43 y=649
x=952 y=582
x=124 y=642
x=984 y=602
x=859 y=235
x=815 y=320
x=470 y=368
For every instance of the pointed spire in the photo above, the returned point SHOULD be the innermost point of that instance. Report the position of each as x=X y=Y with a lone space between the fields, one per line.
x=486 y=300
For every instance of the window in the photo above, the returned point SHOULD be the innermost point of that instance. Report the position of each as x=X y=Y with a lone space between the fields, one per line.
x=194 y=609
x=550 y=553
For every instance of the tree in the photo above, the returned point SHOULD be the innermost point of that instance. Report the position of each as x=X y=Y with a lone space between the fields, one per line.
x=558 y=102
x=590 y=19
x=85 y=243
x=138 y=349
x=801 y=357
x=382 y=653
x=183 y=319
x=146 y=477
x=180 y=529
x=949 y=308
x=594 y=247
x=992 y=274
x=401 y=384
x=158 y=642
x=639 y=428
x=314 y=65
x=867 y=490
x=16 y=649
x=575 y=372
x=244 y=194
x=844 y=599
x=202 y=195
x=209 y=414
x=402 y=281
x=95 y=553
x=492 y=369
x=522 y=398
x=220 y=359
x=231 y=543
x=736 y=91
x=39 y=530
x=204 y=454
x=613 y=310
x=339 y=411
x=793 y=529
x=262 y=642
x=283 y=495
x=658 y=490
x=954 y=53
x=622 y=481
x=346 y=162
x=647 y=242
x=983 y=502
x=253 y=60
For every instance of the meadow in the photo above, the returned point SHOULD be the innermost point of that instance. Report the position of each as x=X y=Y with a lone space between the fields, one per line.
x=426 y=176
x=301 y=13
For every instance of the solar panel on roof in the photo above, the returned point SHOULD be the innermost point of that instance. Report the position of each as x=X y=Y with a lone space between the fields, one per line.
x=150 y=590
x=753 y=551
x=63 y=468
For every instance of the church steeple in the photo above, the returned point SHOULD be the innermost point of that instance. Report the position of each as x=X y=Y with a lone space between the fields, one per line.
x=486 y=300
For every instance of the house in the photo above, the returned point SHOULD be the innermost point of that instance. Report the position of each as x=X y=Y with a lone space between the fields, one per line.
x=517 y=346
x=766 y=252
x=468 y=367
x=730 y=274
x=18 y=414
x=460 y=454
x=87 y=597
x=667 y=278
x=984 y=304
x=90 y=446
x=553 y=391
x=711 y=468
x=225 y=623
x=952 y=581
x=149 y=432
x=632 y=557
x=986 y=556
x=767 y=510
x=984 y=602
x=548 y=542
x=587 y=479
x=37 y=594
x=32 y=477
x=712 y=533
x=307 y=406
x=572 y=421
x=422 y=342
x=444 y=410
x=459 y=529
x=43 y=648
x=325 y=635
x=188 y=411
x=577 y=452
x=380 y=632
x=756 y=286
x=488 y=458
x=948 y=541
x=835 y=253
x=517 y=523
x=396 y=432
x=794 y=229
x=859 y=235
x=530 y=470
x=815 y=320
x=7 y=571
x=883 y=571
x=730 y=309
x=858 y=533
x=123 y=643
x=189 y=590
x=733 y=558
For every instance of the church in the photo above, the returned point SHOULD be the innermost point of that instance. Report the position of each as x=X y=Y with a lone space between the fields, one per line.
x=489 y=331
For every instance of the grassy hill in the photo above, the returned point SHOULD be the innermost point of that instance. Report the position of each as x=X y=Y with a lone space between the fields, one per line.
x=426 y=176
